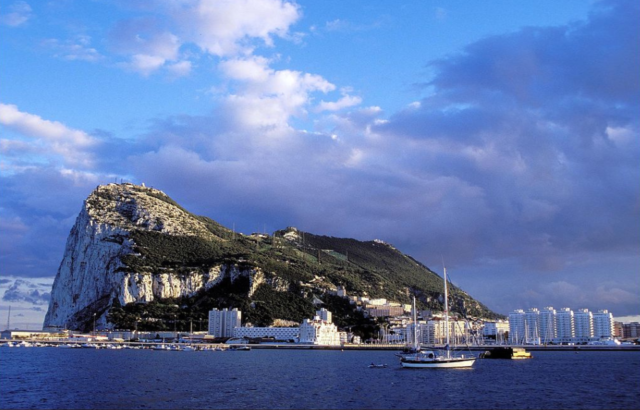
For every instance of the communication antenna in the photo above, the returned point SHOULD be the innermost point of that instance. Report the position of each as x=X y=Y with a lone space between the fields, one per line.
x=9 y=319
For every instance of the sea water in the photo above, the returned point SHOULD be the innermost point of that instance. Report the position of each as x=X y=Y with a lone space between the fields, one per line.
x=46 y=378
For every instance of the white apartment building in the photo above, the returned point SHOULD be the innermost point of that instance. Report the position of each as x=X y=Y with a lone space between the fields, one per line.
x=579 y=327
x=223 y=322
x=565 y=325
x=495 y=330
x=516 y=327
x=603 y=324
x=324 y=314
x=278 y=333
x=434 y=332
x=547 y=325
x=532 y=326
x=319 y=332
x=583 y=324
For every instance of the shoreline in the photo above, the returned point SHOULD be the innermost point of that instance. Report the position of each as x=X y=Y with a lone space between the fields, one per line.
x=289 y=346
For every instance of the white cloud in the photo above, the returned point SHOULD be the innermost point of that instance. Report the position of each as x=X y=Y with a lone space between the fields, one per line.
x=266 y=97
x=344 y=102
x=20 y=13
x=181 y=68
x=145 y=64
x=73 y=145
x=76 y=49
x=223 y=27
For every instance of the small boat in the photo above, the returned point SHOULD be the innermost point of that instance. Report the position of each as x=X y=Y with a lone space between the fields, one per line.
x=438 y=359
x=514 y=353
x=377 y=366
x=243 y=348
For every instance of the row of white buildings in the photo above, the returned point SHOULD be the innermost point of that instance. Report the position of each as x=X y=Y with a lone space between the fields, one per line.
x=534 y=326
x=318 y=331
x=549 y=325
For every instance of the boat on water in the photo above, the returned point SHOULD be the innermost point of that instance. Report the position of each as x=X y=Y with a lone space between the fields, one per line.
x=514 y=353
x=377 y=366
x=438 y=358
x=240 y=348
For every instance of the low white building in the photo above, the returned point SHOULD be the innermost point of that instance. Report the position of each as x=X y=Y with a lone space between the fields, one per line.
x=278 y=333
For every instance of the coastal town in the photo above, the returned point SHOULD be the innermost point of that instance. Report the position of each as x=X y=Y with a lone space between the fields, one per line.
x=533 y=327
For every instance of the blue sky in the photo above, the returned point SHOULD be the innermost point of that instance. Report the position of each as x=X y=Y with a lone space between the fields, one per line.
x=501 y=136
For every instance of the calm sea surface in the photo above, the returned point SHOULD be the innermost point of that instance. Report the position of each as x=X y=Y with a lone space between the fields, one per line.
x=95 y=379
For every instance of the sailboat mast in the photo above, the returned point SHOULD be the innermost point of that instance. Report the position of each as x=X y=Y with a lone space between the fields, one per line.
x=446 y=309
x=415 y=326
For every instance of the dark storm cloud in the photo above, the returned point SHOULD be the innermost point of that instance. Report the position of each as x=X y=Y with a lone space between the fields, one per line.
x=544 y=121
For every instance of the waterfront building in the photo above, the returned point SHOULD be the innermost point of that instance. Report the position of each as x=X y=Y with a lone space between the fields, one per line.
x=547 y=325
x=618 y=330
x=319 y=332
x=516 y=327
x=565 y=326
x=603 y=324
x=532 y=326
x=631 y=330
x=278 y=333
x=223 y=322
x=583 y=324
x=495 y=330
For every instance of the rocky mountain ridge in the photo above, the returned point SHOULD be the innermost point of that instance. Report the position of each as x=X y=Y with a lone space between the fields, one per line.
x=133 y=245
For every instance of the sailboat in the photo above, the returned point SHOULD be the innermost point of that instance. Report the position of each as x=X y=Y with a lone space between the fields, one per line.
x=439 y=358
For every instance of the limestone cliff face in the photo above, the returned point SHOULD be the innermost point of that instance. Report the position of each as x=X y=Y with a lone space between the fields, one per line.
x=92 y=274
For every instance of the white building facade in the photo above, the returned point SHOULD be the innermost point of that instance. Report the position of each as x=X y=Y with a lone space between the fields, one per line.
x=570 y=327
x=603 y=324
x=223 y=322
x=278 y=333
x=516 y=327
x=547 y=325
x=565 y=326
x=320 y=332
x=583 y=324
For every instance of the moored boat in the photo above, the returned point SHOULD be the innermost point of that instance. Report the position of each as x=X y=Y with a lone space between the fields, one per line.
x=438 y=359
x=515 y=353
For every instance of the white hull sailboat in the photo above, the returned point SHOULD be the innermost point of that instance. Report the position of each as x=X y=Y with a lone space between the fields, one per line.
x=438 y=359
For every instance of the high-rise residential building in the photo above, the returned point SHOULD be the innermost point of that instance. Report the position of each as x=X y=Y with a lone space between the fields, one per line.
x=532 y=326
x=583 y=324
x=547 y=325
x=631 y=330
x=618 y=330
x=564 y=325
x=516 y=327
x=324 y=314
x=222 y=322
x=603 y=324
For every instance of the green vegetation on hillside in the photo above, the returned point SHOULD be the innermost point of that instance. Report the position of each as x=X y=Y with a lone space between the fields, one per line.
x=312 y=266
